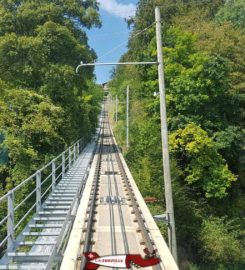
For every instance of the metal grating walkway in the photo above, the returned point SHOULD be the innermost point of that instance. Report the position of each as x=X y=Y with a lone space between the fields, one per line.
x=40 y=245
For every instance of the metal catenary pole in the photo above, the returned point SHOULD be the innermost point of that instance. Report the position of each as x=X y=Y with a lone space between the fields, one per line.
x=127 y=118
x=164 y=136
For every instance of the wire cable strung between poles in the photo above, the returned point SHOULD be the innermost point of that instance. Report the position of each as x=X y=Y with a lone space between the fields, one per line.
x=125 y=42
x=119 y=63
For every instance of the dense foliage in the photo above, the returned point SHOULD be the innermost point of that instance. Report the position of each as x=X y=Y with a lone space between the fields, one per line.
x=203 y=45
x=44 y=105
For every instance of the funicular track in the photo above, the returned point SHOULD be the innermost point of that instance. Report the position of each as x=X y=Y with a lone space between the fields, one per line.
x=112 y=218
x=114 y=223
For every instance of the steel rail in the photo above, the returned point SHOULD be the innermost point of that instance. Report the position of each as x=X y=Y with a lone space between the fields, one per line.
x=88 y=236
x=111 y=210
x=123 y=229
x=144 y=230
x=124 y=234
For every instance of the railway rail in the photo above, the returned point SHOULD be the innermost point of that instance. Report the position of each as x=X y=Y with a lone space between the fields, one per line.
x=116 y=225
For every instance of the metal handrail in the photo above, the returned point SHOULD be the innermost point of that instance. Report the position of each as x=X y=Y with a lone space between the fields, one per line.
x=64 y=161
x=46 y=166
x=24 y=217
x=3 y=220
x=23 y=183
x=4 y=240
x=26 y=198
x=59 y=166
x=58 y=176
x=3 y=197
x=46 y=191
x=46 y=179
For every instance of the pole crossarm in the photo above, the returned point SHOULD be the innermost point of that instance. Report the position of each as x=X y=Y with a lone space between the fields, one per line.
x=114 y=64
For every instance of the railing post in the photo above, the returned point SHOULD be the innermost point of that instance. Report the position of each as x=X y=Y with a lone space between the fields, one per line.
x=69 y=157
x=63 y=164
x=53 y=175
x=10 y=220
x=74 y=152
x=38 y=191
x=78 y=148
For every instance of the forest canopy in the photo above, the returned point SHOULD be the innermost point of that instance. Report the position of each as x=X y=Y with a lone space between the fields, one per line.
x=44 y=105
x=203 y=45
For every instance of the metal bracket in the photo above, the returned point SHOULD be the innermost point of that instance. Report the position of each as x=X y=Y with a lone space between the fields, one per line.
x=112 y=200
x=163 y=218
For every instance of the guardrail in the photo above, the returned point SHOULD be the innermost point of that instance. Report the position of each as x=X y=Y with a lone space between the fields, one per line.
x=29 y=195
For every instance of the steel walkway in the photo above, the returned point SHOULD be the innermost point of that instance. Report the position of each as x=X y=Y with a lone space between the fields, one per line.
x=40 y=245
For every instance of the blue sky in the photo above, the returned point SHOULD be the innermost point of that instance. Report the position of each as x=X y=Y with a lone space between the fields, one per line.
x=110 y=41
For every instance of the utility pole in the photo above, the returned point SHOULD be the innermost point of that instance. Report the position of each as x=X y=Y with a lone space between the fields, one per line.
x=127 y=117
x=164 y=136
x=116 y=107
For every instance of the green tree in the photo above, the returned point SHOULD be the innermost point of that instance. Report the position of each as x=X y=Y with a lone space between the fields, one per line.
x=204 y=75
x=233 y=11
x=225 y=41
x=43 y=102
x=222 y=242
x=204 y=168
x=30 y=124
x=40 y=44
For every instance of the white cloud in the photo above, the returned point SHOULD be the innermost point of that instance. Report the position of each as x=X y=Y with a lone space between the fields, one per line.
x=118 y=9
